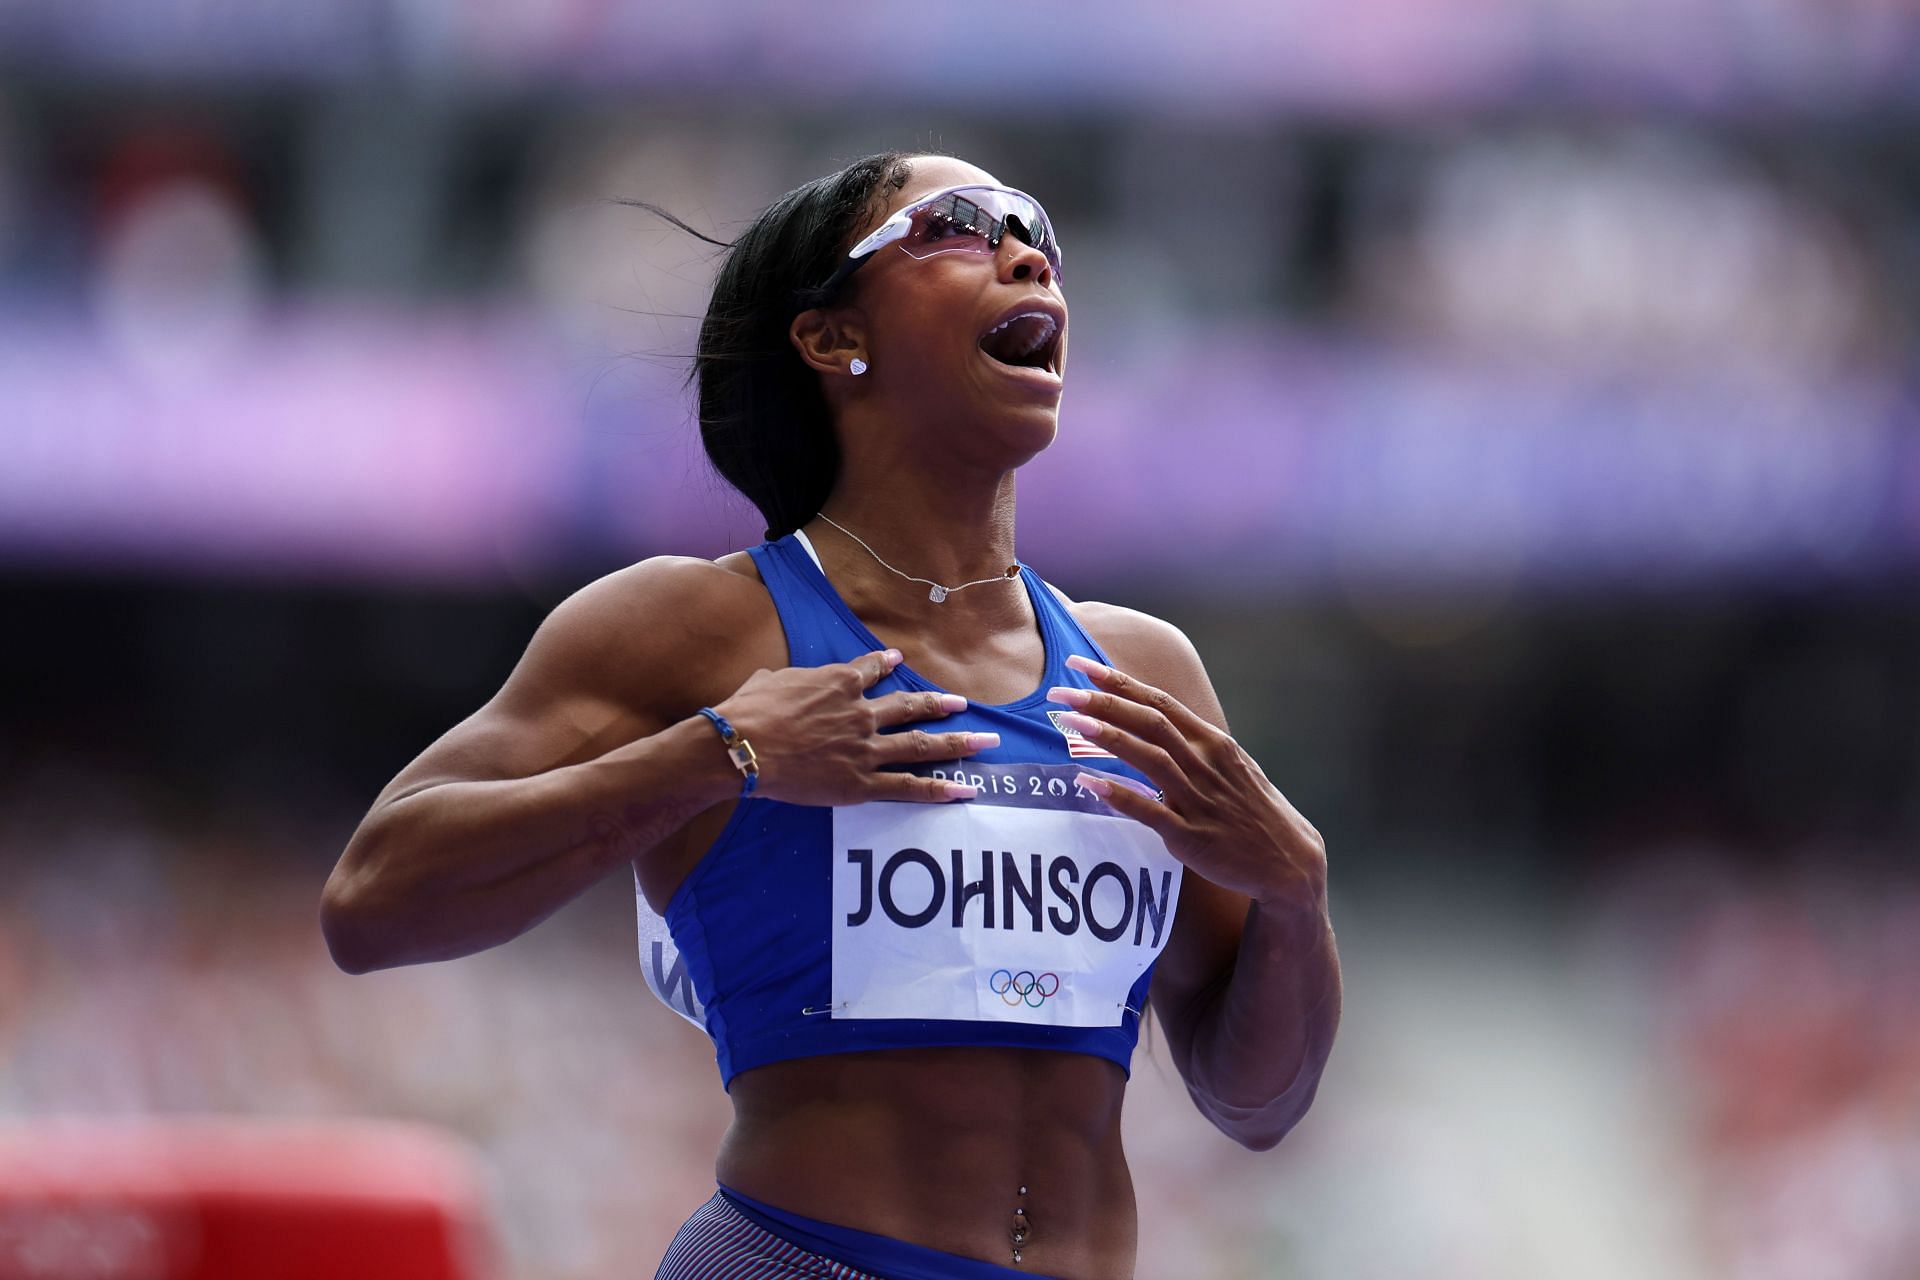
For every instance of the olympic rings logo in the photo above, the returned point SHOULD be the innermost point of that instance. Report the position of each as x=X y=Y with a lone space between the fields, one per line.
x=1024 y=987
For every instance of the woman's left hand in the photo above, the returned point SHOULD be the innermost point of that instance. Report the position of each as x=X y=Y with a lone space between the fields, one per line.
x=1218 y=814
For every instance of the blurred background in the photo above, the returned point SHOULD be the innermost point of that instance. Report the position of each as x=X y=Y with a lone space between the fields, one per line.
x=1515 y=403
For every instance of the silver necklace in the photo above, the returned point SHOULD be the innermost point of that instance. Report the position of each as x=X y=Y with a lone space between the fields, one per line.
x=937 y=593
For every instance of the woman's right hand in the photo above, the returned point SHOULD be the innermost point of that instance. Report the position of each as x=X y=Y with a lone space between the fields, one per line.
x=816 y=735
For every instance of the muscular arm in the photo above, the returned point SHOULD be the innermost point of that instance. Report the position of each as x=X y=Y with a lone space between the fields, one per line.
x=1249 y=995
x=580 y=762
x=1257 y=1047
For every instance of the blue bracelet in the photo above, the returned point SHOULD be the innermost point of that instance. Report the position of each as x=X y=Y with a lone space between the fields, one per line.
x=739 y=750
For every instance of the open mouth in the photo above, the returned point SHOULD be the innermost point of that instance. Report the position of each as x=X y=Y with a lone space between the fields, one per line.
x=1026 y=340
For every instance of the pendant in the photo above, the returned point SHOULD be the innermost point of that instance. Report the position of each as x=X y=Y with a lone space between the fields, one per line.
x=937 y=594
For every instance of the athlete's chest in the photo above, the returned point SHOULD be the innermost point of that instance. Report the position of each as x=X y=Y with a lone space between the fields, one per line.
x=999 y=664
x=997 y=674
x=1034 y=902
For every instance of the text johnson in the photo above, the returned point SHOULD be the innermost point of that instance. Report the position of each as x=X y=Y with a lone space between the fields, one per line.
x=1062 y=877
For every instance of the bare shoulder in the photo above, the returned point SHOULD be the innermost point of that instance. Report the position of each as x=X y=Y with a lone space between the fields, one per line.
x=659 y=599
x=626 y=655
x=1149 y=648
x=620 y=632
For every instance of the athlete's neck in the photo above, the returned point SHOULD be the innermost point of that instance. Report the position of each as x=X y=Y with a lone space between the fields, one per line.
x=948 y=535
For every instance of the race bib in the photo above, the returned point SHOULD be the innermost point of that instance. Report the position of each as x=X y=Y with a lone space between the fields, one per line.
x=1032 y=902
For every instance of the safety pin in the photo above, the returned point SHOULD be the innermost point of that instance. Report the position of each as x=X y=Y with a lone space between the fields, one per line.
x=808 y=1009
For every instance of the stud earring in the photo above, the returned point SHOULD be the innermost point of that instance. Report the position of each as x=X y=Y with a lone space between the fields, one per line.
x=858 y=366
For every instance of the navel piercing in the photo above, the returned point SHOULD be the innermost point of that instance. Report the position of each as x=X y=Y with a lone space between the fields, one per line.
x=858 y=366
x=1021 y=1227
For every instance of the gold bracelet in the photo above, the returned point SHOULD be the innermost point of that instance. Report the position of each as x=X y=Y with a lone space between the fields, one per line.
x=739 y=750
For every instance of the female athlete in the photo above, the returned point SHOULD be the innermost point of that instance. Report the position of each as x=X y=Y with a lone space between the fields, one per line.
x=926 y=833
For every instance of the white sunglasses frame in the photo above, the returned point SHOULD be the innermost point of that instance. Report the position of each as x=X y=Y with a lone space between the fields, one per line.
x=897 y=226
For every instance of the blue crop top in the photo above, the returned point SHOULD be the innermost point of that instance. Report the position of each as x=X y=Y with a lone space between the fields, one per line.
x=1030 y=915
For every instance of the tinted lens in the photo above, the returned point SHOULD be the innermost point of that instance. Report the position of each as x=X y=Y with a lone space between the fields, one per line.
x=952 y=222
x=973 y=221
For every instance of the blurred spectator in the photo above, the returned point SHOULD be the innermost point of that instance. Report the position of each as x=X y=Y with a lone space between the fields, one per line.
x=1784 y=1008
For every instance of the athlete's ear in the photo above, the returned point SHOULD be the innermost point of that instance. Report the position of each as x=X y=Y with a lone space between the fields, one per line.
x=828 y=338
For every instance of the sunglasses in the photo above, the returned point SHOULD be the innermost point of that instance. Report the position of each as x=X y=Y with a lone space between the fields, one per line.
x=969 y=219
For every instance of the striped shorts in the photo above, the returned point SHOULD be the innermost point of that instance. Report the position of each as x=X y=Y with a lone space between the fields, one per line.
x=735 y=1237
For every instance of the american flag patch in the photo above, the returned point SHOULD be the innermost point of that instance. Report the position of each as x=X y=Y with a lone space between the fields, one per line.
x=1077 y=744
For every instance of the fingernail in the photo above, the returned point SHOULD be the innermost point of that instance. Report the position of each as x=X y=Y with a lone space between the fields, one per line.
x=893 y=656
x=1071 y=696
x=1099 y=786
x=976 y=741
x=1081 y=662
x=952 y=702
x=1085 y=724
x=961 y=791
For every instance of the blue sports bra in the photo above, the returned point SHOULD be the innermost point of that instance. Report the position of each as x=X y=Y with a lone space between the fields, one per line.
x=1030 y=915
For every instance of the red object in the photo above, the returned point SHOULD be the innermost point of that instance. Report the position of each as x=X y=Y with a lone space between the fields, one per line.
x=152 y=157
x=240 y=1199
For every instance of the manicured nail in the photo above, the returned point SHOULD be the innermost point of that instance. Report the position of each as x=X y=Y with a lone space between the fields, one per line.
x=1081 y=662
x=952 y=702
x=1087 y=725
x=1071 y=696
x=1099 y=786
x=979 y=741
x=961 y=791
x=893 y=657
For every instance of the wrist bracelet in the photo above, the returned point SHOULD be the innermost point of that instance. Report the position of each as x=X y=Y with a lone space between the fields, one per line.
x=739 y=750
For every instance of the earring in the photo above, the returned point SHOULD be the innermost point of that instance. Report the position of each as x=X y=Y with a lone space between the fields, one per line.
x=858 y=366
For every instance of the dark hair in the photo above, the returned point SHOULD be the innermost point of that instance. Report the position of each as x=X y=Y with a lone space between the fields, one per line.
x=763 y=419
